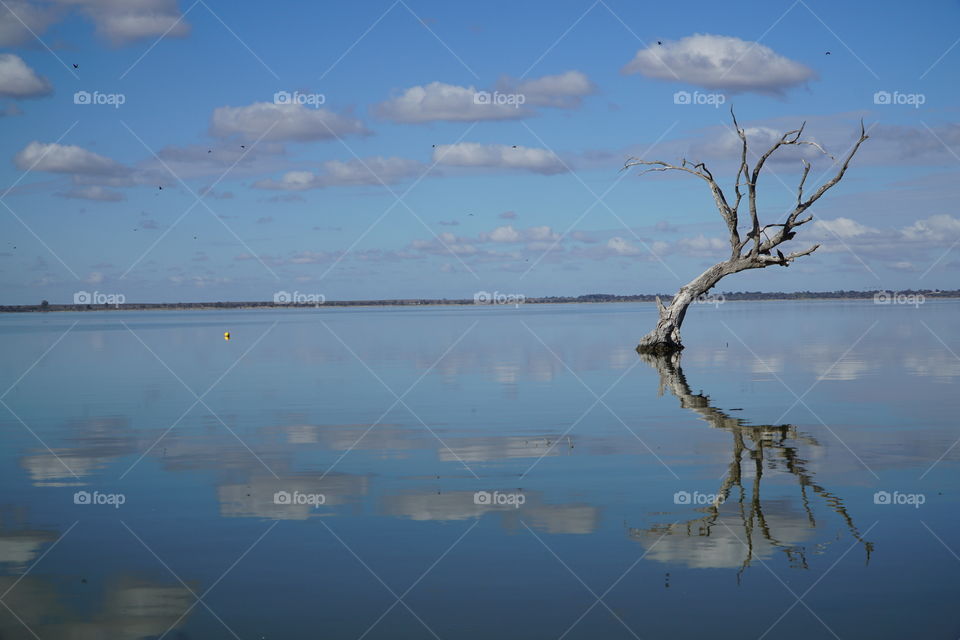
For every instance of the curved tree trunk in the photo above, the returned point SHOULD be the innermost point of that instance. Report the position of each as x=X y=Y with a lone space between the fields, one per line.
x=665 y=337
x=755 y=250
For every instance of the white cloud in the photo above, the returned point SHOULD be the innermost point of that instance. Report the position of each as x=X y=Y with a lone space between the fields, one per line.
x=912 y=247
x=20 y=18
x=532 y=239
x=119 y=21
x=212 y=160
x=702 y=244
x=622 y=247
x=446 y=102
x=291 y=181
x=94 y=192
x=933 y=229
x=444 y=244
x=439 y=101
x=726 y=145
x=474 y=154
x=564 y=91
x=507 y=234
x=896 y=144
x=903 y=265
x=504 y=234
x=371 y=171
x=720 y=62
x=541 y=233
x=123 y=22
x=17 y=80
x=842 y=227
x=58 y=158
x=293 y=122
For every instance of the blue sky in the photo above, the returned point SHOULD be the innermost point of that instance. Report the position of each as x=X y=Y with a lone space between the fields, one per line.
x=388 y=179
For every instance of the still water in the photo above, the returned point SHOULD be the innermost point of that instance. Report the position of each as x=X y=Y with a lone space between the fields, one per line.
x=481 y=472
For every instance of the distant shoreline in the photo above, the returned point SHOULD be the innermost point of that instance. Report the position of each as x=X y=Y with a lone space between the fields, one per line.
x=597 y=298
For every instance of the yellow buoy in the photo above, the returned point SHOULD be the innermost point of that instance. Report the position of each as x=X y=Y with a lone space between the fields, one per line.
x=226 y=335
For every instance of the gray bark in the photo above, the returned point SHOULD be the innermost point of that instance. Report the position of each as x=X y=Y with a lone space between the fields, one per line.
x=755 y=250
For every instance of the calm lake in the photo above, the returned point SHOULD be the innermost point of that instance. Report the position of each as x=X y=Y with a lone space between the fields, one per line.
x=481 y=472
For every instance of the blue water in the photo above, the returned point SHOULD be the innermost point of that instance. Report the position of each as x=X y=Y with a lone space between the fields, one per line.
x=730 y=493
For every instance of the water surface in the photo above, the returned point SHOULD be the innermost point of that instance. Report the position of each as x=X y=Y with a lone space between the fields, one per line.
x=478 y=472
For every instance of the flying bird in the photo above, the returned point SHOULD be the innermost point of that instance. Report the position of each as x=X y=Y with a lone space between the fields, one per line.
x=827 y=53
x=514 y=146
x=780 y=255
x=243 y=146
x=76 y=66
x=160 y=187
x=660 y=42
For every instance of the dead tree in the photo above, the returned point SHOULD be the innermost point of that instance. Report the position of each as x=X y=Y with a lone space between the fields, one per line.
x=758 y=248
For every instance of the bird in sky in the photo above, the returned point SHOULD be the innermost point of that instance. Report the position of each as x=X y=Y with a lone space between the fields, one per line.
x=660 y=42
x=76 y=66
x=827 y=53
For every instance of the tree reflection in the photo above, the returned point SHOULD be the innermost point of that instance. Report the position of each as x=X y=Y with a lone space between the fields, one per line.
x=744 y=521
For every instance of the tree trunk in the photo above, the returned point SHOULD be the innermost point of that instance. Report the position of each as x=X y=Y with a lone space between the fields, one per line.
x=755 y=251
x=664 y=339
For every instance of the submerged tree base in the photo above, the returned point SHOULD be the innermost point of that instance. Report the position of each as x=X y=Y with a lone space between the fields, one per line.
x=659 y=348
x=759 y=248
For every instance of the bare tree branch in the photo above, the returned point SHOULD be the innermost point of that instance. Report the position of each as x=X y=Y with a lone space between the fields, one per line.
x=700 y=170
x=763 y=252
x=826 y=186
x=803 y=179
